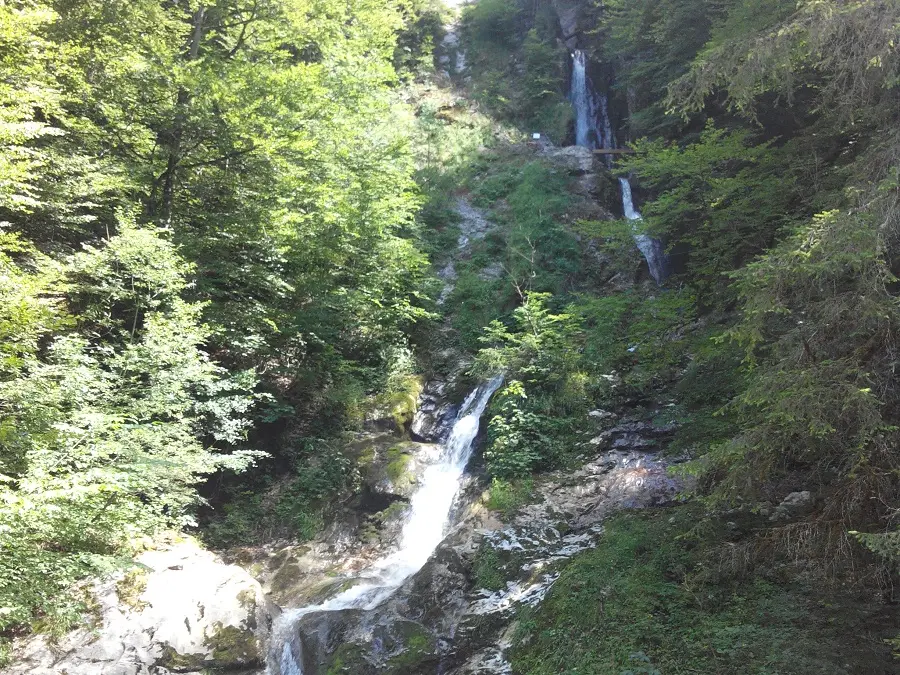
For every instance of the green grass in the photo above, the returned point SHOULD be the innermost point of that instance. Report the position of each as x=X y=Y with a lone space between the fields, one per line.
x=640 y=592
x=508 y=496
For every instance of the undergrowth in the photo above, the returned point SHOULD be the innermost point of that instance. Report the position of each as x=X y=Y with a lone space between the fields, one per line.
x=646 y=590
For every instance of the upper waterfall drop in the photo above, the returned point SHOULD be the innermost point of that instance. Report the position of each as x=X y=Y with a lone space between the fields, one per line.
x=593 y=130
x=422 y=532
x=582 y=100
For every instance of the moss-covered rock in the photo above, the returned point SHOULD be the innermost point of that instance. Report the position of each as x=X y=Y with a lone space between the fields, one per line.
x=233 y=646
x=349 y=659
x=398 y=467
x=417 y=647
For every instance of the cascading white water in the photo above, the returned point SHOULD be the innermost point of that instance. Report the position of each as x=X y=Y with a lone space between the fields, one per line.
x=651 y=248
x=424 y=529
x=582 y=97
x=593 y=130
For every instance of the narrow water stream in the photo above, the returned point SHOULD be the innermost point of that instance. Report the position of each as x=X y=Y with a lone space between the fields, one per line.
x=423 y=530
x=593 y=130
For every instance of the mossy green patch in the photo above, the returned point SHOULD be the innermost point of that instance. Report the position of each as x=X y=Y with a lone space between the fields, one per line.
x=507 y=497
x=347 y=659
x=286 y=577
x=404 y=400
x=392 y=512
x=367 y=457
x=419 y=649
x=491 y=568
x=232 y=645
x=178 y=662
x=397 y=467
x=131 y=587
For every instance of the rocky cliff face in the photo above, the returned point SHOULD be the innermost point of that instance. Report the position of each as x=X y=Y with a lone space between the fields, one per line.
x=569 y=13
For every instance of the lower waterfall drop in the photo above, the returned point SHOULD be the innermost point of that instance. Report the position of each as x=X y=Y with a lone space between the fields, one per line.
x=423 y=531
x=651 y=248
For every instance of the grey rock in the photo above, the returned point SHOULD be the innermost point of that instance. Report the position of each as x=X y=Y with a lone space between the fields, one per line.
x=574 y=159
x=795 y=505
x=194 y=613
x=473 y=223
x=569 y=14
x=435 y=415
x=492 y=271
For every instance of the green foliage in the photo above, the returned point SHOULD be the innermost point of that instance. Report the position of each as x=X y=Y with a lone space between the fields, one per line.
x=638 y=592
x=780 y=46
x=293 y=505
x=519 y=440
x=422 y=30
x=641 y=335
x=650 y=42
x=541 y=354
x=817 y=324
x=198 y=205
x=539 y=348
x=507 y=496
x=719 y=198
x=106 y=434
x=533 y=248
x=518 y=70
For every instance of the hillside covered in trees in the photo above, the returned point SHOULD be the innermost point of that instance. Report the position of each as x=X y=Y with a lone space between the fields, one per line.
x=244 y=246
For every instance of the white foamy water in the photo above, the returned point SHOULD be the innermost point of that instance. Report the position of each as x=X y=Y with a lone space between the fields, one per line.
x=424 y=529
x=651 y=248
x=593 y=130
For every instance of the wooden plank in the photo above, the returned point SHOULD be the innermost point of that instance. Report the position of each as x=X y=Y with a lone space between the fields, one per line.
x=614 y=151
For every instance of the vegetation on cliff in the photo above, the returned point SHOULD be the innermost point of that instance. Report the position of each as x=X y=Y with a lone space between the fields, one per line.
x=208 y=252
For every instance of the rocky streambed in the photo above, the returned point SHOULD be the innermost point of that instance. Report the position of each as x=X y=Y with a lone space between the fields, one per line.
x=457 y=614
x=190 y=611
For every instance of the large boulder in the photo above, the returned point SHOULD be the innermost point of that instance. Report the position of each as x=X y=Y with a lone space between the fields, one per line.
x=184 y=611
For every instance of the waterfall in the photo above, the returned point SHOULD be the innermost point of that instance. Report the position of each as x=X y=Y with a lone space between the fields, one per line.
x=582 y=97
x=593 y=130
x=424 y=529
x=651 y=248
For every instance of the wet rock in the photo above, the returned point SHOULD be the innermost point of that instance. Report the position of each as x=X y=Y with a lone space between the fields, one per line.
x=188 y=611
x=362 y=642
x=613 y=480
x=324 y=643
x=358 y=533
x=630 y=436
x=436 y=595
x=393 y=469
x=440 y=620
x=435 y=416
